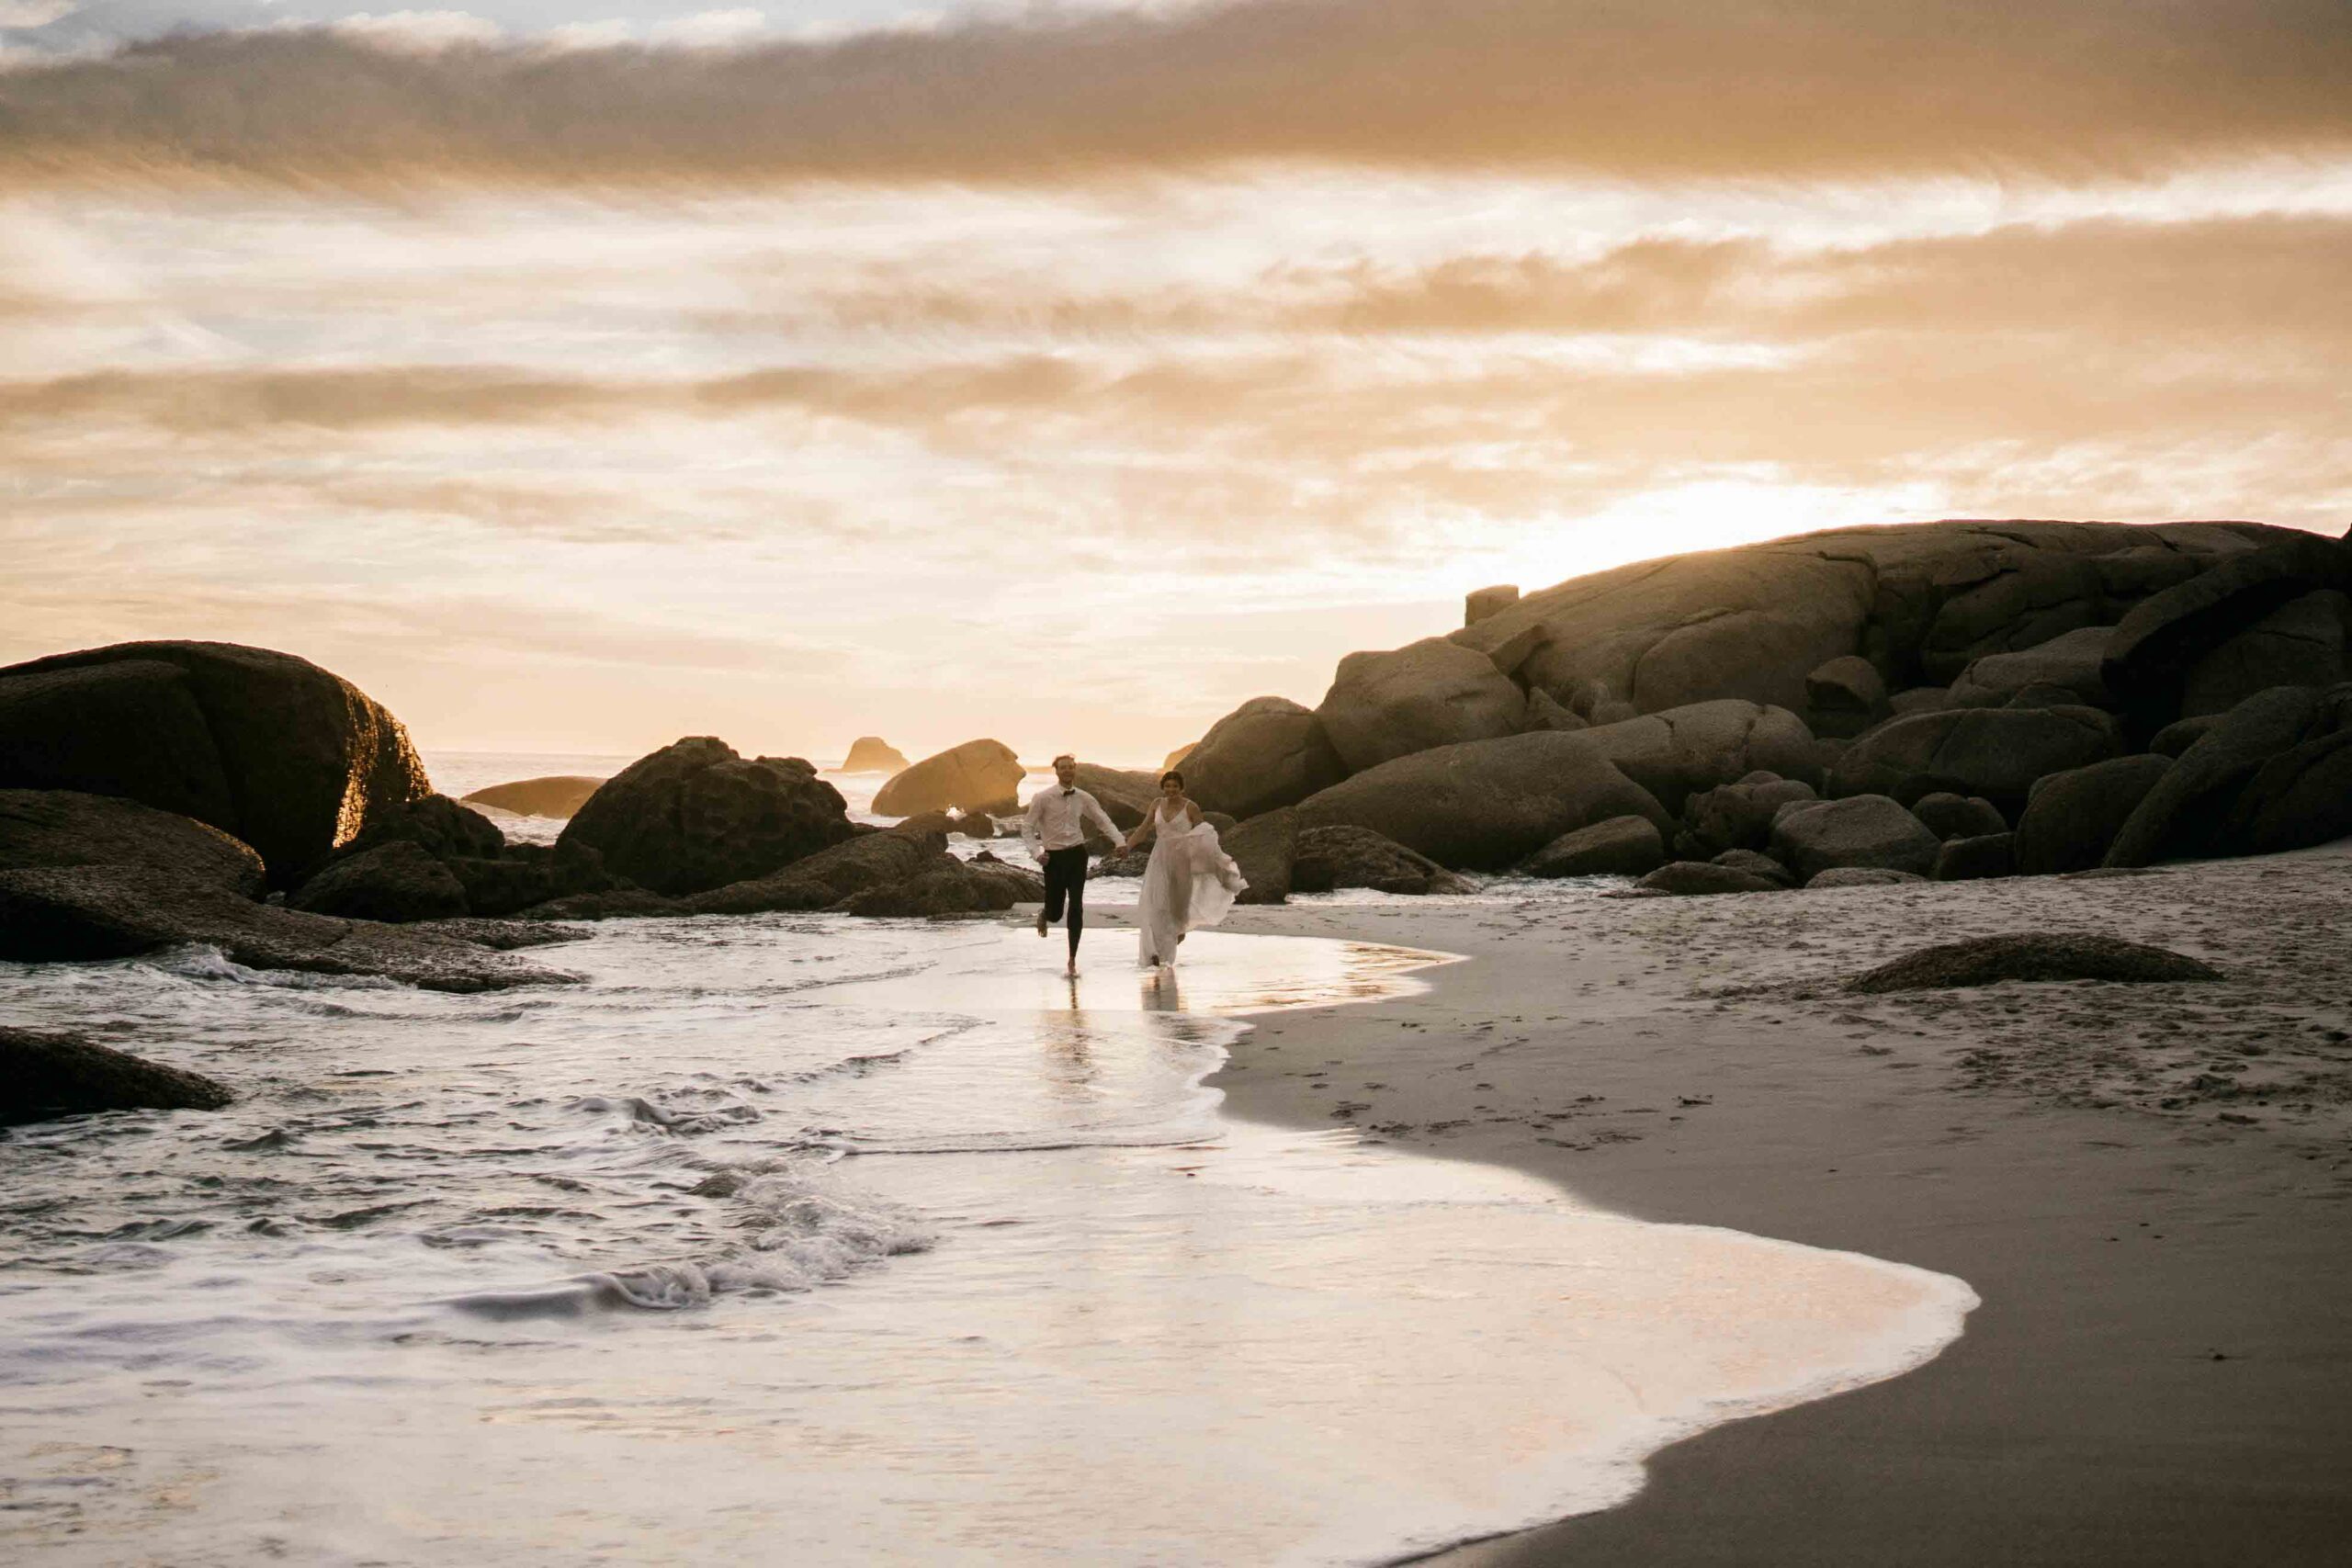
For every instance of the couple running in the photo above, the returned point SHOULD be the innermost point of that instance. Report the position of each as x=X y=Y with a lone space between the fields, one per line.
x=1189 y=883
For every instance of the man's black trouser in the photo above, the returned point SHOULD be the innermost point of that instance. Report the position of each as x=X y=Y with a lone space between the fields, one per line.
x=1065 y=883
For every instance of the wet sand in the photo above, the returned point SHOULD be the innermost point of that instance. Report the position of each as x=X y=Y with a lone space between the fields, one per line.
x=2150 y=1187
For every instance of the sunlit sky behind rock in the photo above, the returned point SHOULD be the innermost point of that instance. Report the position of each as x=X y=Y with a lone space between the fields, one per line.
x=578 y=379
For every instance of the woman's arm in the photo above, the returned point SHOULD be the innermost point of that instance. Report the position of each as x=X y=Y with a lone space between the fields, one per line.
x=1193 y=812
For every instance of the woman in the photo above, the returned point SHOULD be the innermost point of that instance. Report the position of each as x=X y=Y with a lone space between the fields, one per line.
x=1189 y=883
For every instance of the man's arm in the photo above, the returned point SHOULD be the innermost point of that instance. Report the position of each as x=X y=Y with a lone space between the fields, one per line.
x=1033 y=829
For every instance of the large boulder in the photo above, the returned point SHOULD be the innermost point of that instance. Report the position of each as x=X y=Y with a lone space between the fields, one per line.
x=527 y=875
x=1427 y=693
x=1266 y=754
x=1699 y=878
x=1480 y=603
x=1756 y=864
x=2069 y=667
x=267 y=748
x=1950 y=816
x=1979 y=859
x=2029 y=957
x=1485 y=804
x=1328 y=858
x=2071 y=818
x=821 y=880
x=1838 y=877
x=1920 y=600
x=1736 y=816
x=1264 y=848
x=556 y=796
x=1545 y=711
x=1993 y=752
x=80 y=913
x=1678 y=751
x=45 y=1074
x=2168 y=635
x=1844 y=697
x=1177 y=756
x=945 y=887
x=978 y=775
x=1812 y=837
x=1125 y=795
x=395 y=881
x=1622 y=846
x=2174 y=738
x=872 y=755
x=696 y=815
x=434 y=823
x=2275 y=773
x=61 y=826
x=2302 y=643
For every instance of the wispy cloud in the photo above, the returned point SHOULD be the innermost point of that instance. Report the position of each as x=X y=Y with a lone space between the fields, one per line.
x=2065 y=90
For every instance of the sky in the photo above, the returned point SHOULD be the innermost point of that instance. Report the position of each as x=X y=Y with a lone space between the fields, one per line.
x=574 y=378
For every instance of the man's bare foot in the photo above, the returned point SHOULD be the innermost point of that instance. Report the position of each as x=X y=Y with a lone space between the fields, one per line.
x=1072 y=970
x=1041 y=920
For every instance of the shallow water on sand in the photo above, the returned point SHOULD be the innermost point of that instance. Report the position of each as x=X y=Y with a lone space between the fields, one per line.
x=830 y=1241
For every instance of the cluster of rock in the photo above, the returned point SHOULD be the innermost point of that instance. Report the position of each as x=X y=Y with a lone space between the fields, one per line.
x=160 y=793
x=1942 y=700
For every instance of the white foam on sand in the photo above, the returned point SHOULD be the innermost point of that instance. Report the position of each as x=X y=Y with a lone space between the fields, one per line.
x=1030 y=1297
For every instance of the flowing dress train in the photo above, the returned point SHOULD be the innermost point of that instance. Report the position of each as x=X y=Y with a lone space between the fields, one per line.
x=1189 y=882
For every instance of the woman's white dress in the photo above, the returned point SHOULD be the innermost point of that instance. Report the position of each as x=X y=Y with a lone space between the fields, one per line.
x=1189 y=882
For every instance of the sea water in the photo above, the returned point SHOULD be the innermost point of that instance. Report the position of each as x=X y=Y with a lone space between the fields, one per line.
x=800 y=1239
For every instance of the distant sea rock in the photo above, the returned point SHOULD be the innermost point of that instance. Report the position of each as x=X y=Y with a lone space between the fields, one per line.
x=59 y=828
x=558 y=795
x=267 y=748
x=978 y=775
x=45 y=1074
x=696 y=815
x=872 y=755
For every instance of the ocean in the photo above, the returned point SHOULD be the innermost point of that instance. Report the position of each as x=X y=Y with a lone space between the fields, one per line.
x=804 y=1239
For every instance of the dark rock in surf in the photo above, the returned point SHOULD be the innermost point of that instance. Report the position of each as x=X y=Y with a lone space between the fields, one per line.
x=978 y=775
x=57 y=827
x=1699 y=878
x=46 y=1074
x=1863 y=830
x=396 y=881
x=694 y=815
x=872 y=755
x=1622 y=846
x=1329 y=858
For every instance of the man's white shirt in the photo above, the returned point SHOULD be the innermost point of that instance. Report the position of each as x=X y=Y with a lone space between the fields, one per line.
x=1058 y=819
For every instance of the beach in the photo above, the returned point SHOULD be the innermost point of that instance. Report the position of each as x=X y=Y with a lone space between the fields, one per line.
x=2160 y=1370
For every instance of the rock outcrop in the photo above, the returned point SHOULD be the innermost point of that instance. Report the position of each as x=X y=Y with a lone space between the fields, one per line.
x=1480 y=603
x=2069 y=668
x=2275 y=773
x=1685 y=749
x=1264 y=848
x=1328 y=858
x=557 y=797
x=1975 y=860
x=2072 y=818
x=1736 y=816
x=1950 y=816
x=46 y=1074
x=399 y=881
x=79 y=913
x=1920 y=602
x=1622 y=846
x=1812 y=837
x=2302 y=643
x=1838 y=877
x=1266 y=754
x=2032 y=956
x=696 y=815
x=57 y=827
x=1485 y=804
x=978 y=775
x=1993 y=752
x=2166 y=635
x=269 y=749
x=872 y=755
x=1427 y=693
x=1844 y=697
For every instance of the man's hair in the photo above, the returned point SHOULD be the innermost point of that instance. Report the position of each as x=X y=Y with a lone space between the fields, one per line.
x=1065 y=757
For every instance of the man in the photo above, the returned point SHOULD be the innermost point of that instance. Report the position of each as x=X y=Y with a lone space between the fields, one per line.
x=1054 y=831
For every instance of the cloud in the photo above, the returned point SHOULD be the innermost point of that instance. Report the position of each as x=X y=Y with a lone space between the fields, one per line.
x=36 y=13
x=1626 y=89
x=425 y=30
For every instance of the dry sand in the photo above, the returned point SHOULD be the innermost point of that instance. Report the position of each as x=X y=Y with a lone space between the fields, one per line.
x=2151 y=1188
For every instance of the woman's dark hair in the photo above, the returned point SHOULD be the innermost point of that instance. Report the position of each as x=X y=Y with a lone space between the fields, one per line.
x=1172 y=773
